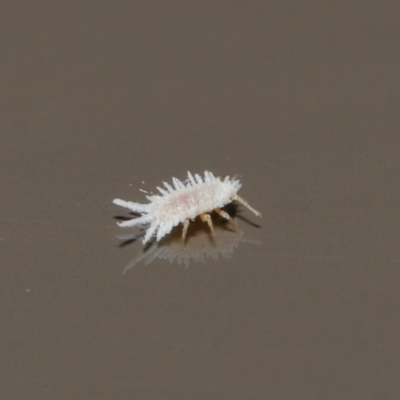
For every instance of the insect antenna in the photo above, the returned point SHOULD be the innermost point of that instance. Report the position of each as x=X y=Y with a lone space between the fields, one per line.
x=246 y=204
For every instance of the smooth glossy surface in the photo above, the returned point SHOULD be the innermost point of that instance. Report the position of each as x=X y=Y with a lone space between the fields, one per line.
x=302 y=99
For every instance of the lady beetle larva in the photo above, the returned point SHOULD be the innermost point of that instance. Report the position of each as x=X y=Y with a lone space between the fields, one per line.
x=197 y=196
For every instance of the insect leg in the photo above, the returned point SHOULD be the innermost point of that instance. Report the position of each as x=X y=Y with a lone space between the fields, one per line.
x=206 y=218
x=225 y=215
x=184 y=230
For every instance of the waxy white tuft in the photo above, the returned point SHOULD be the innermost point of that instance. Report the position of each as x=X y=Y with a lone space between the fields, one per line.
x=197 y=196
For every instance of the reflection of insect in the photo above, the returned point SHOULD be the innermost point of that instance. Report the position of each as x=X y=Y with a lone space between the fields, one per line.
x=197 y=196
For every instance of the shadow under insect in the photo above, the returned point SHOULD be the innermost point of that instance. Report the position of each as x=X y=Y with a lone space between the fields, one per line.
x=200 y=243
x=196 y=227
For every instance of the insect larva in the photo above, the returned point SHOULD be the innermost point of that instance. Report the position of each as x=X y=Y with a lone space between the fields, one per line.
x=184 y=201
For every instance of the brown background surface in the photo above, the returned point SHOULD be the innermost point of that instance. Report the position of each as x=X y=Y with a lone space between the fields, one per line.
x=300 y=98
